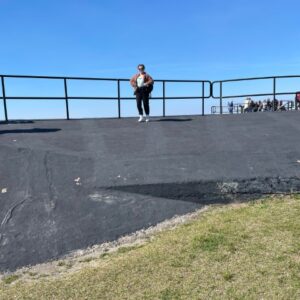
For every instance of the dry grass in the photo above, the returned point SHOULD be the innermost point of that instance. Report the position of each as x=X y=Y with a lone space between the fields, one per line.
x=248 y=251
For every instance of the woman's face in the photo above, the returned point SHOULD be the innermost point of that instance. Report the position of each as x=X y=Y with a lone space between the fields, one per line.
x=141 y=69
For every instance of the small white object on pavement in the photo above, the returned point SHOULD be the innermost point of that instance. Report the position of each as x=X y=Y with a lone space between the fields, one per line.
x=77 y=180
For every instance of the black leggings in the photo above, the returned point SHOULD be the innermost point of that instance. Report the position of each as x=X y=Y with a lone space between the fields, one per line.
x=142 y=96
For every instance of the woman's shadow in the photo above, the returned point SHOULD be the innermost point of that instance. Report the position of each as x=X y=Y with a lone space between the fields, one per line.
x=172 y=120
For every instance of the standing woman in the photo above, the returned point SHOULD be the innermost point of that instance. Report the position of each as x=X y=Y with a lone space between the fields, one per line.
x=143 y=85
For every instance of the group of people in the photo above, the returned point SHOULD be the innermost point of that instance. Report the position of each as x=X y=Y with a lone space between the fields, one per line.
x=255 y=106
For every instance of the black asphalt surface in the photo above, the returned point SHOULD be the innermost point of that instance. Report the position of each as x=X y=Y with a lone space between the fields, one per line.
x=67 y=185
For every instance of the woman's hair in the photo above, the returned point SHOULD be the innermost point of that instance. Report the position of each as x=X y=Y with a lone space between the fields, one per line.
x=142 y=65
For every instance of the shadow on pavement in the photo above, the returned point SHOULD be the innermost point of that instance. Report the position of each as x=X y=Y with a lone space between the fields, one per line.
x=203 y=193
x=32 y=130
x=17 y=122
x=173 y=120
x=216 y=192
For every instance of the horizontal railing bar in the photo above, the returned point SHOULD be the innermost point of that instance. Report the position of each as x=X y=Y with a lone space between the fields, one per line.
x=34 y=98
x=254 y=95
x=60 y=98
x=95 y=98
x=95 y=78
x=256 y=78
x=167 y=98
x=58 y=77
x=178 y=97
x=178 y=80
x=158 y=80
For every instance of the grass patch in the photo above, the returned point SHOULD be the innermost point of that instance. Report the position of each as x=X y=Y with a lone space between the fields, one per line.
x=128 y=248
x=10 y=278
x=210 y=242
x=247 y=251
x=169 y=294
x=228 y=276
x=105 y=255
x=65 y=264
x=87 y=260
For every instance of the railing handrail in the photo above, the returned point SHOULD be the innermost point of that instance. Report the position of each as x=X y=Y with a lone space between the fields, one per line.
x=66 y=97
x=96 y=78
x=255 y=78
x=118 y=96
x=273 y=93
x=254 y=95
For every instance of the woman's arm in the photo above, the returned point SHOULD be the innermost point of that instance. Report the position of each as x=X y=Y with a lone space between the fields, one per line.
x=133 y=81
x=148 y=80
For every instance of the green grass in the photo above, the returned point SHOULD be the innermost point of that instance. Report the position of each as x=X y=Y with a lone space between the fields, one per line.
x=65 y=264
x=86 y=260
x=247 y=251
x=11 y=278
x=61 y=263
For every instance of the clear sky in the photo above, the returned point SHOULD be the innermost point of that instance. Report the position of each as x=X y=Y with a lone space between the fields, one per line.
x=190 y=39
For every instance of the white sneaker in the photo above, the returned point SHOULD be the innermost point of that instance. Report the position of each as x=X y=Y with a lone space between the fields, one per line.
x=141 y=119
x=147 y=119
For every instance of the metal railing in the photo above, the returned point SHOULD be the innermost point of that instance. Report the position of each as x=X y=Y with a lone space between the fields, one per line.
x=118 y=98
x=204 y=85
x=273 y=93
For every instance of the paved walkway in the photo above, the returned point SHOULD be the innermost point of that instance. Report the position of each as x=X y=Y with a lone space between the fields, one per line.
x=66 y=185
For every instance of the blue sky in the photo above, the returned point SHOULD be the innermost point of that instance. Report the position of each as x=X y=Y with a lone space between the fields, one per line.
x=188 y=39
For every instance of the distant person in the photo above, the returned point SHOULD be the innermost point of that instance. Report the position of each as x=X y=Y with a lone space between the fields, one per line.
x=230 y=107
x=269 y=104
x=297 y=100
x=265 y=105
x=255 y=107
x=281 y=106
x=143 y=85
x=247 y=105
x=275 y=104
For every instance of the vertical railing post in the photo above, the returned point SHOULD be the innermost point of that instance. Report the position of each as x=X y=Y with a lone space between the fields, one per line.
x=66 y=98
x=221 y=98
x=4 y=98
x=119 y=99
x=274 y=92
x=164 y=99
x=203 y=95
